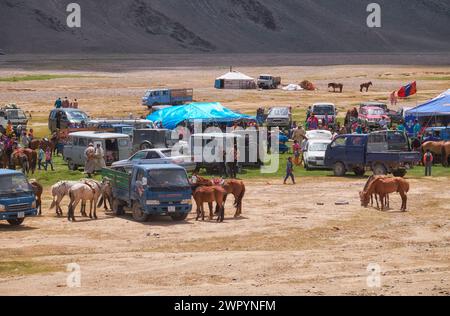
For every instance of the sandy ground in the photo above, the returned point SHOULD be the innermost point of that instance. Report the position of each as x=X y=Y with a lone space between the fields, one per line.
x=285 y=244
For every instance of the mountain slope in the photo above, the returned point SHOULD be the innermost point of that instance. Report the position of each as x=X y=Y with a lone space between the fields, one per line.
x=225 y=26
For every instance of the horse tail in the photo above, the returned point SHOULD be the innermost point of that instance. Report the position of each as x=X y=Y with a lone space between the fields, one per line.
x=100 y=201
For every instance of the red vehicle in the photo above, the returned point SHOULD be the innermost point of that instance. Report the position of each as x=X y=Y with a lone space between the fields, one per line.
x=372 y=115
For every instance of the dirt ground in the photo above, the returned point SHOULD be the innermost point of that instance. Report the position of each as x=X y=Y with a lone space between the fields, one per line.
x=286 y=243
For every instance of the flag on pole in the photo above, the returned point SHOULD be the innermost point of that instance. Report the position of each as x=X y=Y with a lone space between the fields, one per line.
x=407 y=90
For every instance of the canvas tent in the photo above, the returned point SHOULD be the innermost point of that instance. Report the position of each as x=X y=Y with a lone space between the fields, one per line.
x=433 y=112
x=207 y=112
x=235 y=80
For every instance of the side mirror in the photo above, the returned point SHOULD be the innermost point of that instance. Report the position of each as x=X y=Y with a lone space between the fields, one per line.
x=144 y=181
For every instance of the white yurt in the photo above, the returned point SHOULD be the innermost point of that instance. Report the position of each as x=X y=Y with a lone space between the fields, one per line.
x=235 y=80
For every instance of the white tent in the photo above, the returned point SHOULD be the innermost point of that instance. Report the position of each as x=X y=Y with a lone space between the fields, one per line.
x=235 y=80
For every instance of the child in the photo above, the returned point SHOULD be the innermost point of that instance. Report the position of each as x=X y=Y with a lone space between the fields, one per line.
x=289 y=171
x=297 y=152
x=428 y=163
x=41 y=157
x=48 y=159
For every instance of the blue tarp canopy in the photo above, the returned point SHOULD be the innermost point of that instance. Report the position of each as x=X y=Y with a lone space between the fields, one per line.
x=439 y=106
x=207 y=112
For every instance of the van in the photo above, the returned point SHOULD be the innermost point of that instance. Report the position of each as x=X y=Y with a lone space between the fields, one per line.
x=116 y=147
x=66 y=118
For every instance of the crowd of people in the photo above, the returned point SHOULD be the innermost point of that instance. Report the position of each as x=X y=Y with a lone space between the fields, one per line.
x=66 y=103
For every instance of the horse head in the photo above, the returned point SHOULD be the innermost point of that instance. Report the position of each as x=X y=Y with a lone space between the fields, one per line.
x=365 y=198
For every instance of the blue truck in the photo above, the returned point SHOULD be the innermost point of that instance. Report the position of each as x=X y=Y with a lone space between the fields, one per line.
x=17 y=200
x=150 y=189
x=382 y=152
x=167 y=97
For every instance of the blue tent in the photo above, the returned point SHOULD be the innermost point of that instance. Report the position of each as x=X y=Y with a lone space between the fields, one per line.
x=439 y=106
x=207 y=112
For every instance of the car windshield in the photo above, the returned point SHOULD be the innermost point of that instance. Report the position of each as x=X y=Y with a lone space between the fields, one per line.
x=167 y=178
x=376 y=112
x=14 y=183
x=16 y=115
x=318 y=147
x=279 y=111
x=264 y=78
x=77 y=116
x=324 y=109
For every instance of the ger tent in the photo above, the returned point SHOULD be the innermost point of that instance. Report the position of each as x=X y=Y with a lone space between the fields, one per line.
x=207 y=112
x=439 y=106
x=235 y=80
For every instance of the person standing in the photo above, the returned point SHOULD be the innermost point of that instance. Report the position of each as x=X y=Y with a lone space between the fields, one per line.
x=289 y=171
x=66 y=103
x=41 y=157
x=296 y=148
x=313 y=122
x=89 y=156
x=75 y=104
x=48 y=159
x=417 y=128
x=401 y=127
x=299 y=135
x=99 y=157
x=428 y=163
x=58 y=103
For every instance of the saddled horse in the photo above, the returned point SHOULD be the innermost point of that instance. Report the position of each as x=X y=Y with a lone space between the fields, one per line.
x=21 y=160
x=87 y=191
x=59 y=191
x=4 y=157
x=37 y=189
x=336 y=86
x=384 y=186
x=107 y=194
x=17 y=158
x=43 y=143
x=366 y=86
x=210 y=194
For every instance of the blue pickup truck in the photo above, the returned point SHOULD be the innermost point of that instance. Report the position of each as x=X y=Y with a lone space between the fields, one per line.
x=150 y=189
x=17 y=199
x=167 y=97
x=382 y=152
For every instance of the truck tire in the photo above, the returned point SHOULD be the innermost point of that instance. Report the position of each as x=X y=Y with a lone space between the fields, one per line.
x=399 y=173
x=138 y=213
x=16 y=222
x=379 y=169
x=179 y=217
x=339 y=169
x=72 y=166
x=359 y=172
x=117 y=207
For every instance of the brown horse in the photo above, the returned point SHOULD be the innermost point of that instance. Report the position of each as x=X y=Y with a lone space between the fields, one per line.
x=4 y=158
x=366 y=86
x=210 y=194
x=384 y=186
x=446 y=154
x=235 y=187
x=21 y=160
x=372 y=196
x=435 y=148
x=37 y=189
x=336 y=86
x=17 y=159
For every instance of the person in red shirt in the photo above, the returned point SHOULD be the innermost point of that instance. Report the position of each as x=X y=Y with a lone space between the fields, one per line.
x=428 y=163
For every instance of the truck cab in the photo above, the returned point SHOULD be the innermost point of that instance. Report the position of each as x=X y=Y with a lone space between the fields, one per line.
x=17 y=200
x=268 y=81
x=151 y=189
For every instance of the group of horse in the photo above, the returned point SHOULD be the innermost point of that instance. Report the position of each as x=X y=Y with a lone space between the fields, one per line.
x=441 y=149
x=339 y=87
x=25 y=158
x=379 y=188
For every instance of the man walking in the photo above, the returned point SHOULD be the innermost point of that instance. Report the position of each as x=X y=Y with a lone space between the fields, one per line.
x=428 y=162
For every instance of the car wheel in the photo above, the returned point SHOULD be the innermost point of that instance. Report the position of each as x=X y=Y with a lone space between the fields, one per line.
x=339 y=169
x=399 y=173
x=179 y=217
x=72 y=166
x=117 y=208
x=359 y=172
x=379 y=170
x=16 y=222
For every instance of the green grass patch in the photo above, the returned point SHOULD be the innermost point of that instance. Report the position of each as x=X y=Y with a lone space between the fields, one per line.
x=39 y=77
x=18 y=268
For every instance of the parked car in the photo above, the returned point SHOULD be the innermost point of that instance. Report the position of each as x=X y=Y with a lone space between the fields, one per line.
x=316 y=135
x=314 y=153
x=157 y=156
x=279 y=117
x=167 y=97
x=372 y=115
x=15 y=115
x=322 y=110
x=116 y=147
x=17 y=200
x=151 y=190
x=66 y=118
x=382 y=152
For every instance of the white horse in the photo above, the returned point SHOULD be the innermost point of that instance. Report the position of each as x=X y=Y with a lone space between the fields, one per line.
x=85 y=191
x=59 y=191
